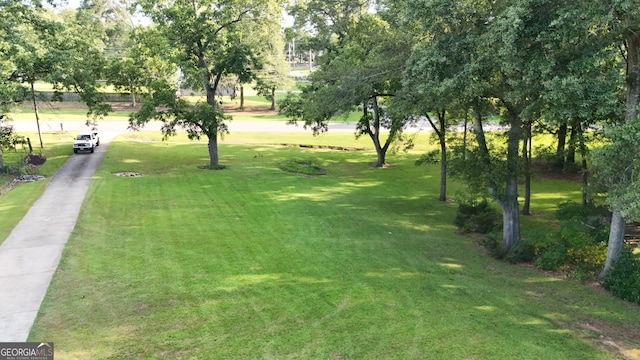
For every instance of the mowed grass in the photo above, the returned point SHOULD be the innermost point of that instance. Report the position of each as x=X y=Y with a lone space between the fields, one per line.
x=255 y=263
x=15 y=203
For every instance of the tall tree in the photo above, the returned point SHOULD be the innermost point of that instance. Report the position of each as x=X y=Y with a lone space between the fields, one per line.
x=275 y=70
x=147 y=60
x=208 y=36
x=619 y=20
x=29 y=32
x=434 y=76
x=328 y=18
x=363 y=72
x=78 y=64
x=11 y=94
x=508 y=59
x=114 y=21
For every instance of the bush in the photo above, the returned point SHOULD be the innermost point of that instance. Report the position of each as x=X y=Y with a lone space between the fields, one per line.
x=579 y=247
x=475 y=216
x=623 y=279
x=493 y=243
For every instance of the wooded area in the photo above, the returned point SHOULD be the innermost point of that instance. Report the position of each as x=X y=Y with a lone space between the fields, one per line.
x=566 y=68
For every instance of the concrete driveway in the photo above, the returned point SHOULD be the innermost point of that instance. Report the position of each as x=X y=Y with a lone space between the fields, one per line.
x=31 y=253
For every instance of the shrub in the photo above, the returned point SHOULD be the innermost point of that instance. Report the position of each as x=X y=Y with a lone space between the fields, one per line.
x=553 y=257
x=587 y=261
x=477 y=216
x=579 y=246
x=623 y=279
x=492 y=242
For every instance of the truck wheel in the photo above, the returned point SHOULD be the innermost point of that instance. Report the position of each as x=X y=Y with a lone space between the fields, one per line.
x=92 y=150
x=75 y=151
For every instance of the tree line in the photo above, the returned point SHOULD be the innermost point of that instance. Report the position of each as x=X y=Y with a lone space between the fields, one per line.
x=570 y=69
x=567 y=68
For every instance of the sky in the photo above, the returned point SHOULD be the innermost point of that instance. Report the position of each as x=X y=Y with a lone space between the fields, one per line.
x=287 y=20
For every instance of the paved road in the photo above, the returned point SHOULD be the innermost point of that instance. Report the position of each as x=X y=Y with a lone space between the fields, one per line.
x=112 y=126
x=234 y=126
x=30 y=255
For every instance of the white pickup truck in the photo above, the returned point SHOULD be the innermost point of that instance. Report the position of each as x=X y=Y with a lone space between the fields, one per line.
x=86 y=141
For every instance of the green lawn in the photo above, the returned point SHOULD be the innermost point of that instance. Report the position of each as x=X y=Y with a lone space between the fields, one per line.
x=14 y=204
x=255 y=263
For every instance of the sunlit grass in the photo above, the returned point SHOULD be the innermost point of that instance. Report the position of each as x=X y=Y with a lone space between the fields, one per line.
x=253 y=262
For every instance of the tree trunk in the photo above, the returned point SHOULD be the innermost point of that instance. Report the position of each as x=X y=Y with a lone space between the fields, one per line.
x=440 y=130
x=571 y=152
x=616 y=234
x=510 y=221
x=464 y=135
x=585 y=171
x=562 y=140
x=241 y=97
x=381 y=152
x=210 y=85
x=509 y=203
x=483 y=150
x=526 y=157
x=133 y=98
x=375 y=134
x=443 y=171
x=273 y=98
x=35 y=110
x=1 y=159
x=213 y=151
x=616 y=241
x=509 y=200
x=443 y=154
x=382 y=155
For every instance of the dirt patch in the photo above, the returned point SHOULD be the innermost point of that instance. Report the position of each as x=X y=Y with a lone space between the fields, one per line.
x=123 y=106
x=621 y=340
x=233 y=108
x=330 y=147
x=127 y=174
x=384 y=166
x=304 y=168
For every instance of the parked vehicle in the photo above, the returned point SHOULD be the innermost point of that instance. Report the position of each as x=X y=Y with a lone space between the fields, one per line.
x=86 y=141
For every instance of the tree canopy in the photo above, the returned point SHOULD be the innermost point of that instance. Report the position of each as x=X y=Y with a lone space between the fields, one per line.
x=211 y=42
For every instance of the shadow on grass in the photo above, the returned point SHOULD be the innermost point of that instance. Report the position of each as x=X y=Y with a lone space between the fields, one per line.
x=253 y=262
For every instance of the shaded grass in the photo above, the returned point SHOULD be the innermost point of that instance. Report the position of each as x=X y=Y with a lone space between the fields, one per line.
x=255 y=263
x=302 y=167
